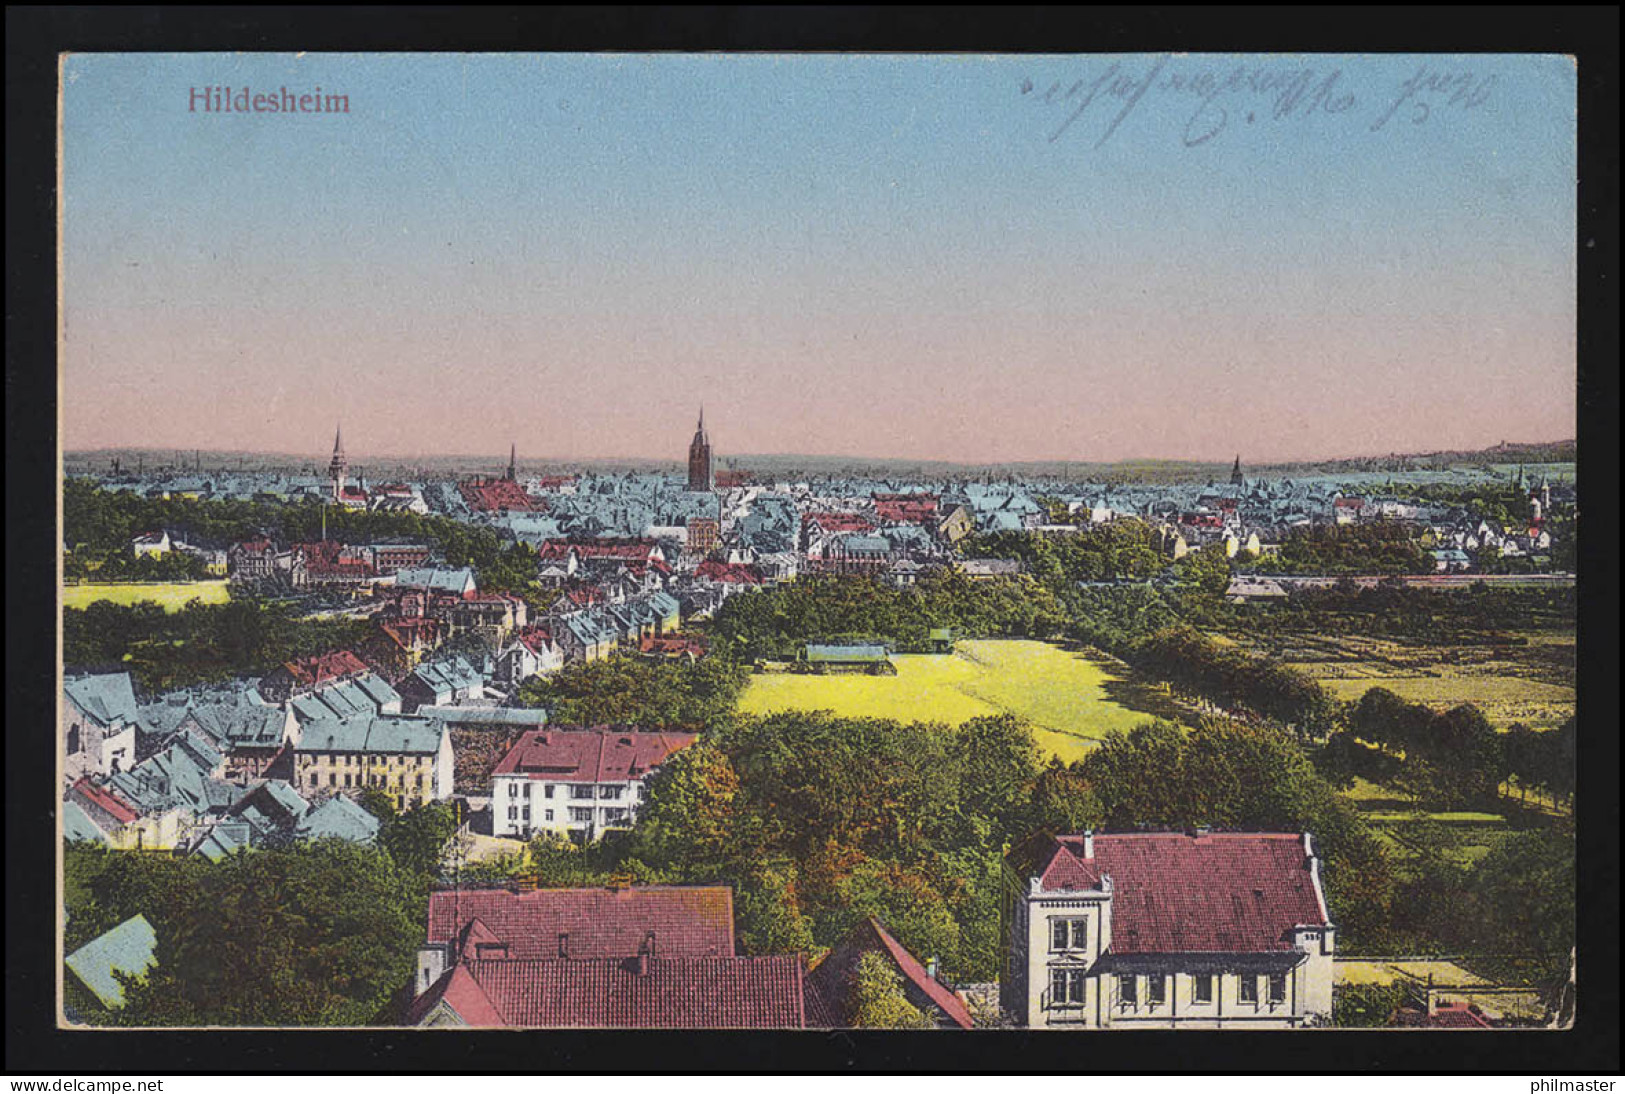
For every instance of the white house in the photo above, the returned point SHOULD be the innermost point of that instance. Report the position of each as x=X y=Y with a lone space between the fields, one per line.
x=576 y=782
x=407 y=757
x=1167 y=931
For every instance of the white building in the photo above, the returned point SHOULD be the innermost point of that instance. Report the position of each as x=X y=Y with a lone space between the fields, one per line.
x=1167 y=931
x=576 y=782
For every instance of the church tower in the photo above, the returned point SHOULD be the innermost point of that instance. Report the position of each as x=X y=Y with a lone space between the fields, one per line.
x=338 y=466
x=1235 y=473
x=513 y=465
x=700 y=477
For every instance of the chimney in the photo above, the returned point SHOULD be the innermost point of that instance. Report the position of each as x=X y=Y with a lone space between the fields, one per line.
x=1308 y=845
x=1089 y=843
x=643 y=964
x=564 y=943
x=1200 y=830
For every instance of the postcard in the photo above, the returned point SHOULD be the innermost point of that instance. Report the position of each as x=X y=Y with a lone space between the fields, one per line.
x=768 y=541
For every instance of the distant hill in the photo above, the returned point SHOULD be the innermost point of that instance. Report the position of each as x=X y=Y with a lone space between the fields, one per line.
x=782 y=466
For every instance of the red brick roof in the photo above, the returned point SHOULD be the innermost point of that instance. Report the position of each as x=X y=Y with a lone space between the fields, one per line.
x=839 y=522
x=106 y=800
x=585 y=596
x=1224 y=892
x=324 y=666
x=905 y=508
x=491 y=495
x=536 y=639
x=830 y=983
x=728 y=573
x=597 y=754
x=593 y=550
x=463 y=994
x=687 y=921
x=660 y=993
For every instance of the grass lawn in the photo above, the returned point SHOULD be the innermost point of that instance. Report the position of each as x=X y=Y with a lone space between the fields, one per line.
x=173 y=596
x=1060 y=692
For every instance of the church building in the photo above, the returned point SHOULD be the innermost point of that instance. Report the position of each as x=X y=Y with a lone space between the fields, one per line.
x=701 y=478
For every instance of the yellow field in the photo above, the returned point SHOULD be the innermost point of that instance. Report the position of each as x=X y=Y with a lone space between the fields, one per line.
x=173 y=596
x=1061 y=693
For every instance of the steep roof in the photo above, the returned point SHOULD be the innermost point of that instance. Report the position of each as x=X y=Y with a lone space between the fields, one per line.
x=108 y=698
x=438 y=578
x=599 y=754
x=77 y=825
x=338 y=818
x=829 y=985
x=687 y=921
x=1222 y=892
x=127 y=948
x=659 y=993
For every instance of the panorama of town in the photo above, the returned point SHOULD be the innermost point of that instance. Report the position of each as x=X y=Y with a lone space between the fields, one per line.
x=743 y=746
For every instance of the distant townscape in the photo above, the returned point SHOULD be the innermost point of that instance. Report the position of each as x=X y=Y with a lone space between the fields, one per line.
x=735 y=749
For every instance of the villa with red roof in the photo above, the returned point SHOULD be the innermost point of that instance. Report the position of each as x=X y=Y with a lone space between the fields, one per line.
x=631 y=957
x=1221 y=930
x=576 y=782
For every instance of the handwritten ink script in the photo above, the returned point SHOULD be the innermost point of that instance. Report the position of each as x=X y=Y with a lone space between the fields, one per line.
x=1247 y=94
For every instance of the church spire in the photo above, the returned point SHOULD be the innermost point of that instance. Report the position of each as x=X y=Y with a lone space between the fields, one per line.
x=513 y=468
x=338 y=442
x=1235 y=472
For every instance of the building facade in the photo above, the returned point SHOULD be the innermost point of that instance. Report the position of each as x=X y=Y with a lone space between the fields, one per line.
x=1168 y=931
x=576 y=783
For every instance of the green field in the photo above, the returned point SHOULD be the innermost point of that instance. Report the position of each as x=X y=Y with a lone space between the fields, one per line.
x=172 y=596
x=1063 y=694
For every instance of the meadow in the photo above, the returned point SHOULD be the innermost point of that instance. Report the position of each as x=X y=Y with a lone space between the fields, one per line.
x=1062 y=693
x=173 y=596
x=1529 y=678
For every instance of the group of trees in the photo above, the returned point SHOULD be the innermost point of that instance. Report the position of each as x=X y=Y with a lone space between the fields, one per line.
x=1379 y=546
x=775 y=623
x=123 y=565
x=198 y=644
x=1119 y=550
x=1236 y=680
x=317 y=933
x=634 y=690
x=99 y=524
x=1446 y=760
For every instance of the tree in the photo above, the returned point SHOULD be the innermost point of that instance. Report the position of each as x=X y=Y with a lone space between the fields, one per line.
x=997 y=760
x=1368 y=1006
x=692 y=821
x=313 y=934
x=877 y=997
x=417 y=838
x=768 y=913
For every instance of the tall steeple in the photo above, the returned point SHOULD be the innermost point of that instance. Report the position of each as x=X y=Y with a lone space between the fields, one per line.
x=700 y=477
x=513 y=468
x=1235 y=472
x=338 y=466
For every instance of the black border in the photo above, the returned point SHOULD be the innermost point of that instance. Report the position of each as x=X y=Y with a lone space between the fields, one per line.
x=35 y=35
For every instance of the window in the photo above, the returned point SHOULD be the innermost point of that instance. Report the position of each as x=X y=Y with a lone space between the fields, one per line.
x=1128 y=990
x=1204 y=989
x=513 y=812
x=1156 y=990
x=614 y=816
x=525 y=792
x=548 y=815
x=581 y=793
x=581 y=816
x=547 y=791
x=1277 y=987
x=332 y=778
x=1249 y=988
x=1058 y=986
x=513 y=790
x=347 y=779
x=610 y=793
x=1068 y=934
x=526 y=813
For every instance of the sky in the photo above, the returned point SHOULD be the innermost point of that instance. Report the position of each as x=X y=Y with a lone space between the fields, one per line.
x=965 y=258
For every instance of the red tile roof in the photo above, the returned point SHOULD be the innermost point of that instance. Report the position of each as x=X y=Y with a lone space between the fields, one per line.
x=1224 y=892
x=597 y=754
x=1445 y=1016
x=687 y=921
x=592 y=550
x=728 y=573
x=463 y=994
x=105 y=800
x=830 y=983
x=491 y=495
x=537 y=640
x=659 y=993
x=324 y=666
x=838 y=522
